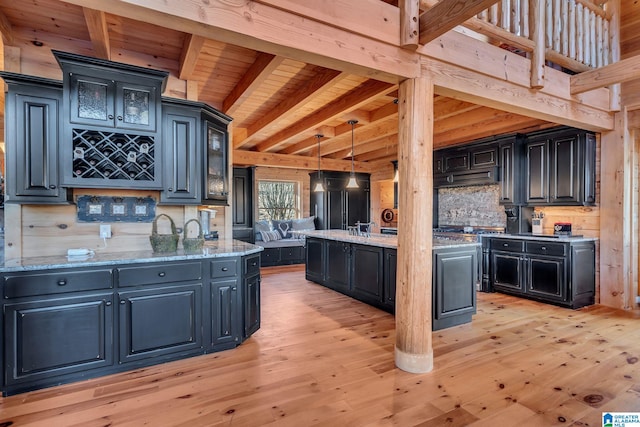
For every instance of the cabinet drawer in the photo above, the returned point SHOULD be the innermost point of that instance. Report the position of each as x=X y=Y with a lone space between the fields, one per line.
x=252 y=265
x=507 y=245
x=294 y=252
x=224 y=268
x=546 y=248
x=159 y=273
x=23 y=285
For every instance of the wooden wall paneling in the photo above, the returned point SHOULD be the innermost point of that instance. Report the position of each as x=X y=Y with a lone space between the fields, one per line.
x=12 y=232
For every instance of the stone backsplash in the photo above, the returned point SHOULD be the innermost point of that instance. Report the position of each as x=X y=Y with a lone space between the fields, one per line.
x=477 y=205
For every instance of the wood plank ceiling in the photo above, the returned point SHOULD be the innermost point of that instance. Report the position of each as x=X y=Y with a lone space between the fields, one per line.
x=278 y=104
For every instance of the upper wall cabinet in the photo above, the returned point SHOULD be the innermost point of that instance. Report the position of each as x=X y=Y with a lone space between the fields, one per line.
x=216 y=162
x=469 y=165
x=560 y=168
x=32 y=124
x=111 y=135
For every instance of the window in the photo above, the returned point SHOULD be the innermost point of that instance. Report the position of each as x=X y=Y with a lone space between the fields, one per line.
x=278 y=199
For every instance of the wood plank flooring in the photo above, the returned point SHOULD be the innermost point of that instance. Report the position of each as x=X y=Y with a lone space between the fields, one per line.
x=323 y=359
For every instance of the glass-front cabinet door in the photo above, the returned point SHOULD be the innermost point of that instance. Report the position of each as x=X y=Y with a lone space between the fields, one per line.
x=216 y=179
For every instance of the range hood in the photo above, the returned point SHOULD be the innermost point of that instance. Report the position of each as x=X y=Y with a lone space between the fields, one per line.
x=479 y=176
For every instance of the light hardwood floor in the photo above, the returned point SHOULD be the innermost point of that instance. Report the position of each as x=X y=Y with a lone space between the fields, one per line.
x=321 y=358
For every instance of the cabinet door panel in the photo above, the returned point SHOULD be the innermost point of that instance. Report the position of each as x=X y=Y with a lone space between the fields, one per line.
x=564 y=173
x=315 y=260
x=507 y=271
x=547 y=278
x=91 y=100
x=215 y=168
x=147 y=331
x=455 y=289
x=367 y=280
x=135 y=106
x=251 y=296
x=537 y=172
x=225 y=310
x=337 y=263
x=390 y=268
x=181 y=167
x=46 y=339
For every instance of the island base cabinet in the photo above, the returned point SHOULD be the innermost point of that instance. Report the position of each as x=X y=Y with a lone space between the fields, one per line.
x=251 y=305
x=160 y=321
x=225 y=312
x=455 y=274
x=337 y=266
x=367 y=274
x=314 y=260
x=46 y=340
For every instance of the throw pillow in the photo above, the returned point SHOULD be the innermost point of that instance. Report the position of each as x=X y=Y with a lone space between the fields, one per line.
x=268 y=236
x=262 y=225
x=283 y=227
x=304 y=224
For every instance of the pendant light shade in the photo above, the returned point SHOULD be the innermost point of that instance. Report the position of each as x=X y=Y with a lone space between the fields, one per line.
x=318 y=188
x=352 y=178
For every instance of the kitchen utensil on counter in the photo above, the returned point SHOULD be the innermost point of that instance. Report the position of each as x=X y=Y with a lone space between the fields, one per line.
x=164 y=242
x=536 y=222
x=193 y=244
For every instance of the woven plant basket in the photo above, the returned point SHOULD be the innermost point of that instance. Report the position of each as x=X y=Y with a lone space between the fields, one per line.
x=193 y=244
x=164 y=242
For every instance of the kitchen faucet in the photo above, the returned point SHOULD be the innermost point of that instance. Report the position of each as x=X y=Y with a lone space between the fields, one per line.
x=367 y=231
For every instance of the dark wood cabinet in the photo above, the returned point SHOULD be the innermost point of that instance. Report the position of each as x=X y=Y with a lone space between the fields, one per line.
x=111 y=133
x=315 y=259
x=339 y=207
x=454 y=293
x=367 y=277
x=242 y=204
x=32 y=124
x=473 y=164
x=145 y=329
x=48 y=339
x=67 y=324
x=561 y=273
x=560 y=168
x=368 y=274
x=182 y=152
x=216 y=160
x=338 y=265
x=251 y=295
x=390 y=268
x=510 y=159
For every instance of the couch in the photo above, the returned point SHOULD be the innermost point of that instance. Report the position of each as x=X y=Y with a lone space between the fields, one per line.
x=281 y=245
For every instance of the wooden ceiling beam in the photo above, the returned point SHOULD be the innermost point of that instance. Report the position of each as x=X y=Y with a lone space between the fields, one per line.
x=409 y=23
x=312 y=88
x=6 y=30
x=447 y=14
x=264 y=65
x=189 y=56
x=98 y=32
x=372 y=150
x=353 y=100
x=265 y=28
x=244 y=157
x=619 y=72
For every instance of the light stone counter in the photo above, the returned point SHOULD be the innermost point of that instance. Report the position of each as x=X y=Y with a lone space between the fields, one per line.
x=545 y=237
x=380 y=240
x=212 y=249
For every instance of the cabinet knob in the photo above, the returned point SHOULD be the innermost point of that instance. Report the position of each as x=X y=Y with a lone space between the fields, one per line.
x=544 y=248
x=234 y=289
x=119 y=118
x=52 y=187
x=170 y=189
x=225 y=269
x=253 y=264
x=122 y=302
x=107 y=303
x=162 y=274
x=505 y=244
x=62 y=282
x=110 y=116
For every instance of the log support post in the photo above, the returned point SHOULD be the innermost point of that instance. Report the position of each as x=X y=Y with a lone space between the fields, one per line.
x=414 y=351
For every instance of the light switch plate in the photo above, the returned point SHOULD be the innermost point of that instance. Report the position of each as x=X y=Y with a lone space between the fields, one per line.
x=105 y=231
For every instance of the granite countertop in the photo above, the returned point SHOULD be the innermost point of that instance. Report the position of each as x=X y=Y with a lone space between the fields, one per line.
x=545 y=237
x=380 y=240
x=212 y=249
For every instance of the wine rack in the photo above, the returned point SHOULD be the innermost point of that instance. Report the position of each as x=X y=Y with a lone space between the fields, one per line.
x=113 y=156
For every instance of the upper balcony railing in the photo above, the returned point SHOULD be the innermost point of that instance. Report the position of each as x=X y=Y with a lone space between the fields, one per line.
x=578 y=34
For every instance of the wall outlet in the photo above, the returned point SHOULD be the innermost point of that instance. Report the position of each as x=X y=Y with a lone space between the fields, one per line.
x=105 y=231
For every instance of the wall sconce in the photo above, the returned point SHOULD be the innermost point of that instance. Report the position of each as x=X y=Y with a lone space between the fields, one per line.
x=352 y=178
x=318 y=188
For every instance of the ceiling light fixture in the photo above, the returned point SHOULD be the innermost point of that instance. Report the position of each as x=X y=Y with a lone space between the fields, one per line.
x=352 y=178
x=318 y=188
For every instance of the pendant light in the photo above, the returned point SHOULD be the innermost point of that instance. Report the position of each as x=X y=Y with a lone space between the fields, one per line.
x=352 y=178
x=318 y=188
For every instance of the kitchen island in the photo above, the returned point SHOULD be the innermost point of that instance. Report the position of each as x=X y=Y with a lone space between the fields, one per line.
x=66 y=319
x=365 y=268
